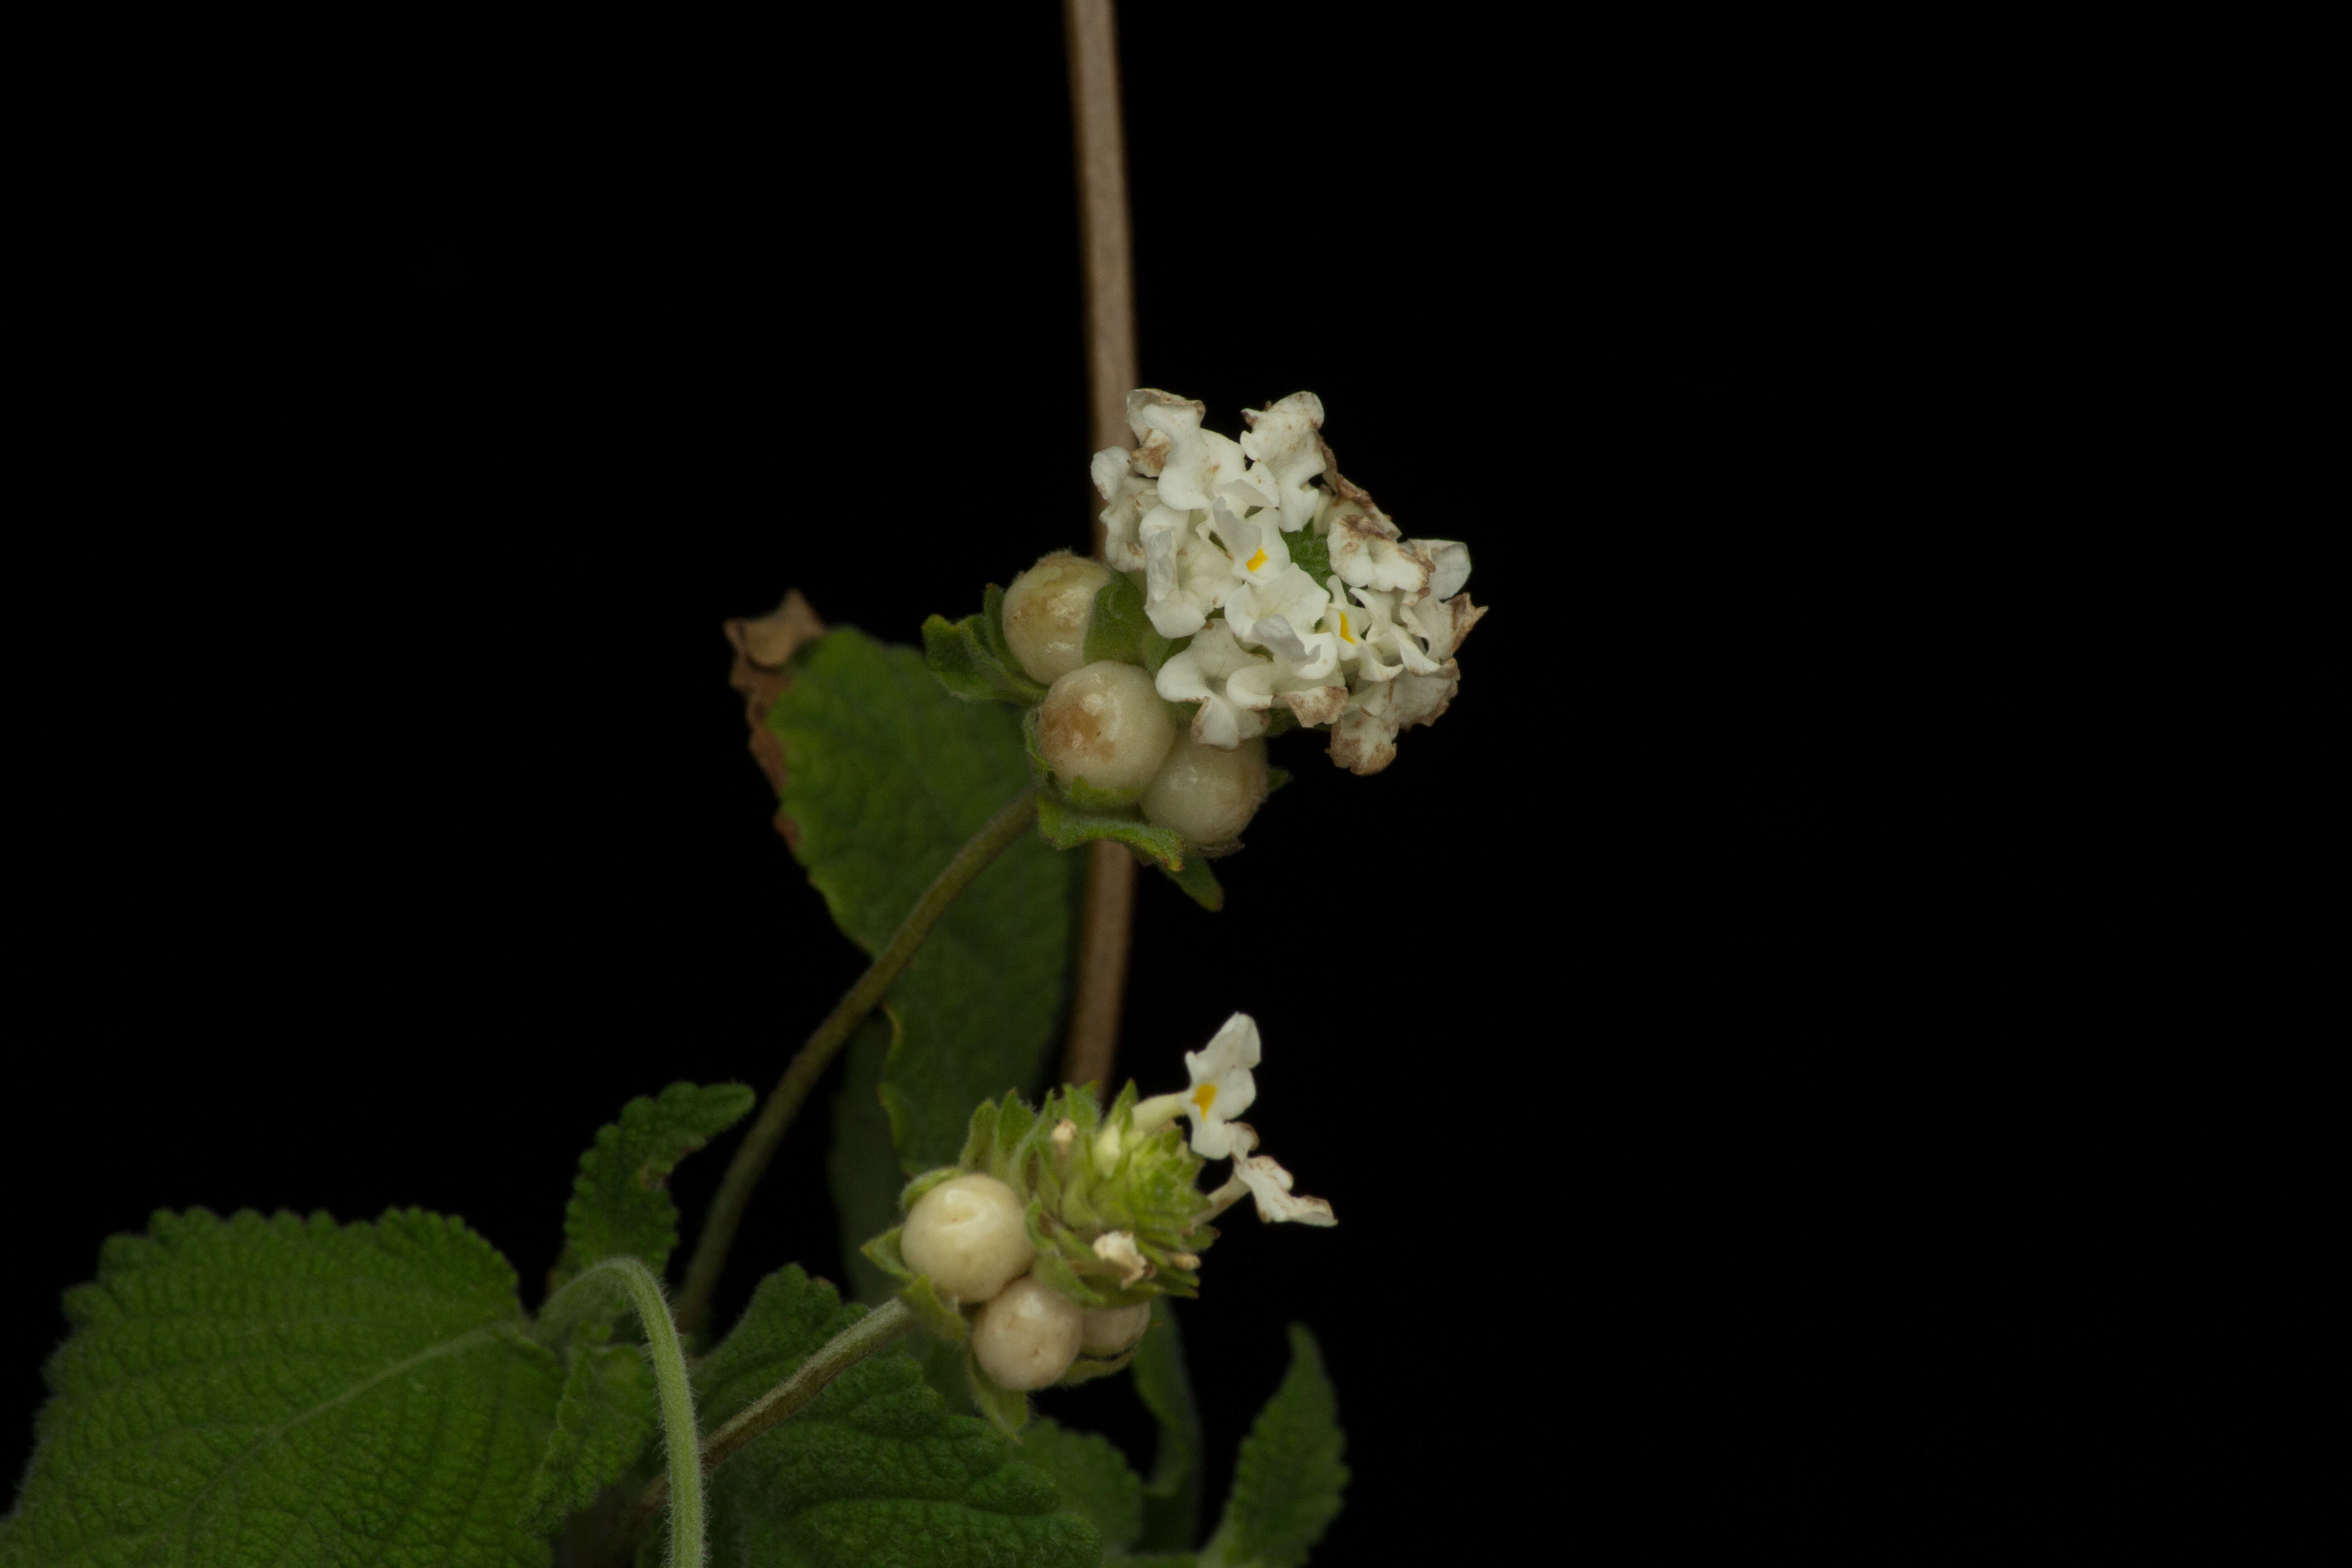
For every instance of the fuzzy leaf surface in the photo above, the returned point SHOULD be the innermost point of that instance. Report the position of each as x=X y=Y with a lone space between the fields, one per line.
x=873 y=1472
x=606 y=1418
x=1093 y=1477
x=1287 y=1484
x=287 y=1390
x=620 y=1206
x=887 y=776
x=1171 y=1498
x=860 y=1167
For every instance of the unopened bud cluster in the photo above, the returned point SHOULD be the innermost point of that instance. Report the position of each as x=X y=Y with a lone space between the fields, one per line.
x=1050 y=1237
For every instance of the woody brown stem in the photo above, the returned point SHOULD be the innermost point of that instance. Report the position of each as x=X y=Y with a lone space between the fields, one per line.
x=1107 y=255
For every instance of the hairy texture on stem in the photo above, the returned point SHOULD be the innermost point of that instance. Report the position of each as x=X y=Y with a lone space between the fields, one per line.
x=684 y=1484
x=1108 y=258
x=758 y=1146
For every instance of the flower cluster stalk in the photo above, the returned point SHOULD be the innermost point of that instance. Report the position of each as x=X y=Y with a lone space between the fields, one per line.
x=758 y=1146
x=1106 y=250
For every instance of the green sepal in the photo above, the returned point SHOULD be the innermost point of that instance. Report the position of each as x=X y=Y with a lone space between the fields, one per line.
x=1015 y=1123
x=1200 y=883
x=884 y=1254
x=1084 y=1370
x=932 y=1310
x=1276 y=778
x=972 y=658
x=1054 y=1271
x=922 y=1297
x=1007 y=1411
x=1087 y=797
x=1280 y=722
x=1117 y=627
x=1065 y=826
x=912 y=1193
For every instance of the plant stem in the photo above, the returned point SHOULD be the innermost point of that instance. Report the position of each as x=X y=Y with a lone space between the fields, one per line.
x=1107 y=254
x=676 y=1394
x=758 y=1146
x=870 y=1333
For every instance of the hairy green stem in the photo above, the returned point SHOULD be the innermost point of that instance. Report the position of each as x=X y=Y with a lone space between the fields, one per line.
x=676 y=1393
x=758 y=1146
x=870 y=1333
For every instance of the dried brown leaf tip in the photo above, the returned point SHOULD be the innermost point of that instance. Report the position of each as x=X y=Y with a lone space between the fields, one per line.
x=762 y=648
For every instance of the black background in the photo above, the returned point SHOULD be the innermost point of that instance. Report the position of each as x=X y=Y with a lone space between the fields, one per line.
x=1778 y=1079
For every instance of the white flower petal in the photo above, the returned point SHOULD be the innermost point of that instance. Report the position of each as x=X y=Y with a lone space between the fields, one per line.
x=1284 y=449
x=1117 y=1247
x=1270 y=1184
x=1221 y=1086
x=1451 y=558
x=1109 y=468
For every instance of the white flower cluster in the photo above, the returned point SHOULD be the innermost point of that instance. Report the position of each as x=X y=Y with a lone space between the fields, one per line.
x=1215 y=526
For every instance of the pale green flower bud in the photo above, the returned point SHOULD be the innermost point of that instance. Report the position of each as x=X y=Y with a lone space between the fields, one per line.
x=1046 y=612
x=1110 y=1332
x=1105 y=723
x=968 y=1234
x=1207 y=794
x=1028 y=1337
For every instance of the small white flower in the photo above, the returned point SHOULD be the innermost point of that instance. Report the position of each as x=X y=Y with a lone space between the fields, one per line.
x=1368 y=550
x=1270 y=1184
x=1221 y=1090
x=1363 y=741
x=1186 y=575
x=1221 y=1085
x=1287 y=454
x=1202 y=674
x=1130 y=496
x=1117 y=1247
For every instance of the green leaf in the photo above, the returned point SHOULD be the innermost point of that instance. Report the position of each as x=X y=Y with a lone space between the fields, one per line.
x=887 y=776
x=284 y=1390
x=873 y=1470
x=860 y=1166
x=607 y=1417
x=1171 y=1498
x=1287 y=1484
x=972 y=658
x=1311 y=553
x=1119 y=628
x=620 y=1207
x=1092 y=1478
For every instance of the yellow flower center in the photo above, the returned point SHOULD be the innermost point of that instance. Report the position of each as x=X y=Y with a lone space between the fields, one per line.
x=1204 y=1096
x=1255 y=560
x=1343 y=627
